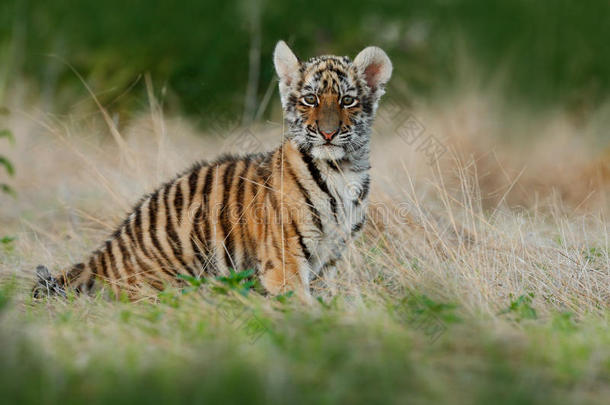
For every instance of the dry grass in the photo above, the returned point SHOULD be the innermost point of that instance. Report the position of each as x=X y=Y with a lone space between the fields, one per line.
x=486 y=220
x=492 y=220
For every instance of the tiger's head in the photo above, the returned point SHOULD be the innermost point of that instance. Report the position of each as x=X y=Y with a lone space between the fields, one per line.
x=329 y=102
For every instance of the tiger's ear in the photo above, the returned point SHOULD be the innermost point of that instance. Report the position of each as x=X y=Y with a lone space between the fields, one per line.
x=375 y=67
x=286 y=65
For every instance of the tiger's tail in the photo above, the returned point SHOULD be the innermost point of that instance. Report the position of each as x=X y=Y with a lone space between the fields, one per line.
x=47 y=285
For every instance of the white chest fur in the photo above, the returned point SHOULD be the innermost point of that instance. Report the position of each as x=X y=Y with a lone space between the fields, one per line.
x=344 y=217
x=347 y=187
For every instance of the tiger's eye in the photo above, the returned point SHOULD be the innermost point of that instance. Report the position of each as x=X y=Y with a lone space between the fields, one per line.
x=348 y=101
x=310 y=99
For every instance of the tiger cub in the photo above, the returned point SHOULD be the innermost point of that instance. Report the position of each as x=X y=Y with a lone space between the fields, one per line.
x=288 y=214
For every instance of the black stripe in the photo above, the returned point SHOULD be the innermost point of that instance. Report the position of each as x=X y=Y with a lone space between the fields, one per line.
x=331 y=262
x=301 y=241
x=138 y=226
x=129 y=230
x=313 y=211
x=197 y=221
x=199 y=256
x=277 y=209
x=333 y=207
x=340 y=73
x=147 y=271
x=207 y=186
x=358 y=226
x=207 y=190
x=170 y=231
x=153 y=207
x=139 y=245
x=274 y=242
x=211 y=254
x=367 y=106
x=93 y=268
x=122 y=249
x=361 y=169
x=201 y=249
x=193 y=180
x=291 y=222
x=127 y=264
x=178 y=201
x=315 y=174
x=104 y=265
x=113 y=265
x=132 y=251
x=200 y=222
x=74 y=273
x=274 y=204
x=77 y=270
x=266 y=222
x=333 y=165
x=226 y=209
x=241 y=189
x=336 y=164
x=364 y=192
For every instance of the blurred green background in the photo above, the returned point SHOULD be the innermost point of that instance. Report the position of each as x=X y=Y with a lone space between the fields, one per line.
x=213 y=58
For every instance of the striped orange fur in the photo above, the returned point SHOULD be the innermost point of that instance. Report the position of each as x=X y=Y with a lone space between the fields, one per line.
x=288 y=214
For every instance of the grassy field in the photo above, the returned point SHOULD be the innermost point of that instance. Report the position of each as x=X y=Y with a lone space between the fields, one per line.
x=482 y=277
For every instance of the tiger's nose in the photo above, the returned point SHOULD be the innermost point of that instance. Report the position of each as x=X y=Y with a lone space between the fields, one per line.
x=328 y=135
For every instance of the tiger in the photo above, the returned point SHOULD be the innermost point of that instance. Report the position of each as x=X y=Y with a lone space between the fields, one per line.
x=287 y=214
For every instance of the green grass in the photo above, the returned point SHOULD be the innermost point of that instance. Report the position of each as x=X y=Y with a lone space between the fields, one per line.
x=205 y=346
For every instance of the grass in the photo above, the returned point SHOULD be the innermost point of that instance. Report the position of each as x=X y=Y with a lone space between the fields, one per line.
x=483 y=277
x=187 y=349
